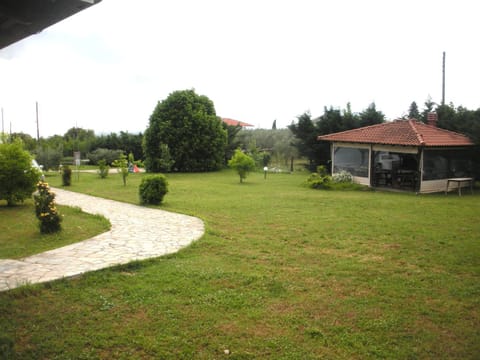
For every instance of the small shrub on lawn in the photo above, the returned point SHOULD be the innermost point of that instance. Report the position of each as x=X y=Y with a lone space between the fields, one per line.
x=320 y=179
x=242 y=164
x=103 y=168
x=122 y=167
x=152 y=189
x=316 y=181
x=45 y=209
x=66 y=176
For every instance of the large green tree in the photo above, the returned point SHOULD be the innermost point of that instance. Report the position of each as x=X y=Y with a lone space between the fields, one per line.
x=17 y=176
x=188 y=124
x=371 y=116
x=413 y=112
x=306 y=133
x=78 y=139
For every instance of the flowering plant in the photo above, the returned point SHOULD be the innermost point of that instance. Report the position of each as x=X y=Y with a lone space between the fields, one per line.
x=45 y=209
x=342 y=177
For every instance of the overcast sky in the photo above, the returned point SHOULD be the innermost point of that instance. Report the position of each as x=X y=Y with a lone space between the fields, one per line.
x=106 y=67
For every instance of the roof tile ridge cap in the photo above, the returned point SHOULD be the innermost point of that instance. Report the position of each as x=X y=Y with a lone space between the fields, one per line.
x=415 y=130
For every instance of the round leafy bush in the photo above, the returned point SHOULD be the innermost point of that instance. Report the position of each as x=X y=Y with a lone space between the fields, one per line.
x=152 y=189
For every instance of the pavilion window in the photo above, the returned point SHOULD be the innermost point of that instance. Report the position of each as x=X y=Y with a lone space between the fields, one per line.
x=444 y=164
x=353 y=160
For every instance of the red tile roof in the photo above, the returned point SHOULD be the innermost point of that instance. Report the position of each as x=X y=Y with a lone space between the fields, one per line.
x=401 y=132
x=232 y=122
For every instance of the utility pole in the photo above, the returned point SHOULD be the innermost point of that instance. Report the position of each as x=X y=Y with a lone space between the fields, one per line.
x=38 y=130
x=3 y=129
x=443 y=80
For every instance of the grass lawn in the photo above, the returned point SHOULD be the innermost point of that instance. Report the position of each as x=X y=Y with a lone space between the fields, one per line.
x=283 y=272
x=21 y=237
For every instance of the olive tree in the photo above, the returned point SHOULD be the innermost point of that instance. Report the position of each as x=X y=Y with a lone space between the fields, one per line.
x=188 y=125
x=17 y=176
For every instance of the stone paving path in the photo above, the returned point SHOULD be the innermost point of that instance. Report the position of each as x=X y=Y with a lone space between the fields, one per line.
x=137 y=233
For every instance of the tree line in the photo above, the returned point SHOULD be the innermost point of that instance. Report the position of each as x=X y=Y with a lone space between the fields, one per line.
x=53 y=150
x=185 y=134
x=306 y=129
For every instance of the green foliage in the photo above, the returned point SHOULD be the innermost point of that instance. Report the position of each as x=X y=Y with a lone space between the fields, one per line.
x=333 y=120
x=17 y=176
x=131 y=158
x=320 y=179
x=306 y=141
x=261 y=158
x=128 y=143
x=78 y=139
x=242 y=164
x=413 y=112
x=103 y=169
x=29 y=143
x=188 y=124
x=66 y=176
x=45 y=209
x=277 y=143
x=50 y=158
x=103 y=154
x=152 y=189
x=233 y=141
x=315 y=181
x=340 y=181
x=122 y=167
x=165 y=160
x=371 y=116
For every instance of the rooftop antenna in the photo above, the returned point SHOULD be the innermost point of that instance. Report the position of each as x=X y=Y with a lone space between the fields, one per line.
x=443 y=79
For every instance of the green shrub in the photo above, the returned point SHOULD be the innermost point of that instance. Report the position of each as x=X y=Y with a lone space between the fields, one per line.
x=49 y=158
x=103 y=154
x=66 y=176
x=17 y=175
x=340 y=181
x=317 y=181
x=103 y=168
x=122 y=167
x=242 y=164
x=320 y=179
x=45 y=209
x=152 y=189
